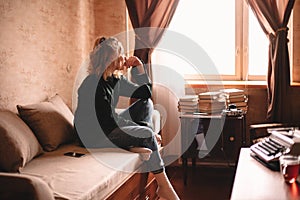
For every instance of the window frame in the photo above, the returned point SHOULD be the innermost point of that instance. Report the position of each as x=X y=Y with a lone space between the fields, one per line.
x=241 y=49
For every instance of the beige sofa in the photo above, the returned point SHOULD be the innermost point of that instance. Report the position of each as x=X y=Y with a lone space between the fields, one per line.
x=33 y=164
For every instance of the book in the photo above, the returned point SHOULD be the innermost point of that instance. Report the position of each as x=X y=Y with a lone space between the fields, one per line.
x=211 y=102
x=210 y=95
x=188 y=110
x=212 y=107
x=237 y=98
x=217 y=100
x=232 y=92
x=189 y=98
x=188 y=103
x=187 y=107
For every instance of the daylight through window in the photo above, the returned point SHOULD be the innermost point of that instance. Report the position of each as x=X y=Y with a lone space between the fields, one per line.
x=227 y=31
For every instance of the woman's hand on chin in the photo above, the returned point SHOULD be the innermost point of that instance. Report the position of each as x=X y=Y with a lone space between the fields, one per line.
x=132 y=61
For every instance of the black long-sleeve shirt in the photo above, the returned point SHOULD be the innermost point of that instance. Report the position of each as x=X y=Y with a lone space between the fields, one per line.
x=107 y=96
x=100 y=97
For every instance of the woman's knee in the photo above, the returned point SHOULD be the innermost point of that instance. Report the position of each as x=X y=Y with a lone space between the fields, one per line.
x=146 y=103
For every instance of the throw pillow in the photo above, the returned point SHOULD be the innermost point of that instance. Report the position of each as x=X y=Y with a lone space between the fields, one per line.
x=18 y=143
x=51 y=121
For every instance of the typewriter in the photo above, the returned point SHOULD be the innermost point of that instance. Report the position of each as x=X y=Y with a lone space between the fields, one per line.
x=281 y=141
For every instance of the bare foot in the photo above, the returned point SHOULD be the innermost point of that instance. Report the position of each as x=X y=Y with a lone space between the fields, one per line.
x=144 y=152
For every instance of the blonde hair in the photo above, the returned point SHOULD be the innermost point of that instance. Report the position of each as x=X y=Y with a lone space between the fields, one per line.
x=105 y=57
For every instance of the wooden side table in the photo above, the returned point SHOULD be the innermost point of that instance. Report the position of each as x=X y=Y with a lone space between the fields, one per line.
x=224 y=136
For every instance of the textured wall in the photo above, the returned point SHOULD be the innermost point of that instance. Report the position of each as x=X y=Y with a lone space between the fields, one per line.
x=44 y=42
x=110 y=17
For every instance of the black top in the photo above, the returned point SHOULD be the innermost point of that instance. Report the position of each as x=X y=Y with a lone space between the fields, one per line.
x=98 y=98
x=107 y=97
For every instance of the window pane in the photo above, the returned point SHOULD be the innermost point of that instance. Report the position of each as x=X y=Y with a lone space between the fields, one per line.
x=258 y=47
x=211 y=24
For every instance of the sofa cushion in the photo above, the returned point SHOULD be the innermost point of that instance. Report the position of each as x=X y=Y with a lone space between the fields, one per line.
x=93 y=176
x=51 y=121
x=18 y=143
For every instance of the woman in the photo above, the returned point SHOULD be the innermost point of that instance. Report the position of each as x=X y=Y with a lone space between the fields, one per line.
x=131 y=130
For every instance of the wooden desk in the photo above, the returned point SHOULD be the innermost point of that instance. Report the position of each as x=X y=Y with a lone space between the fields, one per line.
x=255 y=181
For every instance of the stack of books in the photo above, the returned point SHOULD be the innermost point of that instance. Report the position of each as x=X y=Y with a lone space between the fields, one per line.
x=237 y=97
x=188 y=104
x=211 y=102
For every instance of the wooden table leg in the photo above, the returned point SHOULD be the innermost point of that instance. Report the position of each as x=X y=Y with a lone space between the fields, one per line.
x=194 y=162
x=185 y=166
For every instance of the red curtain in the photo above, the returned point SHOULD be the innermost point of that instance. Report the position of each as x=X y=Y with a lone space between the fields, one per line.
x=273 y=16
x=144 y=14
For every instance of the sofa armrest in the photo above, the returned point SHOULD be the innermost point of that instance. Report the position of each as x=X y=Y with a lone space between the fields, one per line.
x=156 y=121
x=19 y=186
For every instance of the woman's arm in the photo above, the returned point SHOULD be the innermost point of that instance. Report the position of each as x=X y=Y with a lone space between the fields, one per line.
x=140 y=69
x=143 y=87
x=107 y=117
x=129 y=89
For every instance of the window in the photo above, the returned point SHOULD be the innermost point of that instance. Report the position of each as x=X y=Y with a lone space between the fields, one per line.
x=258 y=54
x=227 y=31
